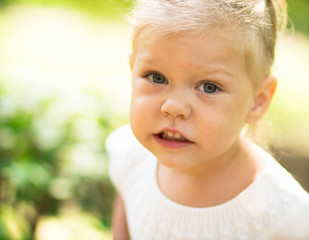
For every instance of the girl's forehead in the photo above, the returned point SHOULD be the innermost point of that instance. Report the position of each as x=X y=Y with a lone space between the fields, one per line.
x=227 y=40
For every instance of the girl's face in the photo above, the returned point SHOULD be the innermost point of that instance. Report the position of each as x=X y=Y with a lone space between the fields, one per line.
x=190 y=99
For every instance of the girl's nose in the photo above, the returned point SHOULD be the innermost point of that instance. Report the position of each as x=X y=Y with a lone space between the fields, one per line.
x=176 y=107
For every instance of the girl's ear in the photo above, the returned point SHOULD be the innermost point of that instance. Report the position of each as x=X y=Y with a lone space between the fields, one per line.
x=131 y=60
x=262 y=100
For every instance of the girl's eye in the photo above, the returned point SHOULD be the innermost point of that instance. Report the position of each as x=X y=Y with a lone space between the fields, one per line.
x=208 y=88
x=157 y=78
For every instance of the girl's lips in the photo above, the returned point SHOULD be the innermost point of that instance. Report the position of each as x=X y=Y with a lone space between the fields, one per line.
x=169 y=142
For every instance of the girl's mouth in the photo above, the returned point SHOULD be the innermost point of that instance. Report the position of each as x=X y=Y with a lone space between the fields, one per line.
x=171 y=139
x=168 y=135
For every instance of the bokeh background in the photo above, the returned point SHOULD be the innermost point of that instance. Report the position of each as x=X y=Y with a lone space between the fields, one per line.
x=65 y=85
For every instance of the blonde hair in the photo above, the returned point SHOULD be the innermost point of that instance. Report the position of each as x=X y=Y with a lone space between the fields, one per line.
x=253 y=22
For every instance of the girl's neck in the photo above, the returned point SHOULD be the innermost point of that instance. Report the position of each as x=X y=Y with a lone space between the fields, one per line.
x=212 y=184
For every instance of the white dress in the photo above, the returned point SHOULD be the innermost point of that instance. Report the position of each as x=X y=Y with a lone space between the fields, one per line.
x=274 y=206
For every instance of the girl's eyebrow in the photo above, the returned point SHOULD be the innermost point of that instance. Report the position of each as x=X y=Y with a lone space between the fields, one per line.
x=147 y=58
x=215 y=68
x=148 y=61
x=220 y=70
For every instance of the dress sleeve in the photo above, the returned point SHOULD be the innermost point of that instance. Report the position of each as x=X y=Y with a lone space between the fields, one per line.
x=292 y=221
x=124 y=153
x=295 y=226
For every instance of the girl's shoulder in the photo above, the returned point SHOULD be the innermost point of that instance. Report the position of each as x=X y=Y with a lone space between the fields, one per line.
x=124 y=153
x=287 y=201
x=121 y=138
x=122 y=142
x=276 y=179
x=277 y=176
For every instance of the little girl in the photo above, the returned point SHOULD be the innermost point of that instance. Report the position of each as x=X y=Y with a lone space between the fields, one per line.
x=183 y=168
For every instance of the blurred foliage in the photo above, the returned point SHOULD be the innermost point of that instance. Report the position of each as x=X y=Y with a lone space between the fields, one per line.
x=52 y=155
x=37 y=177
x=298 y=13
